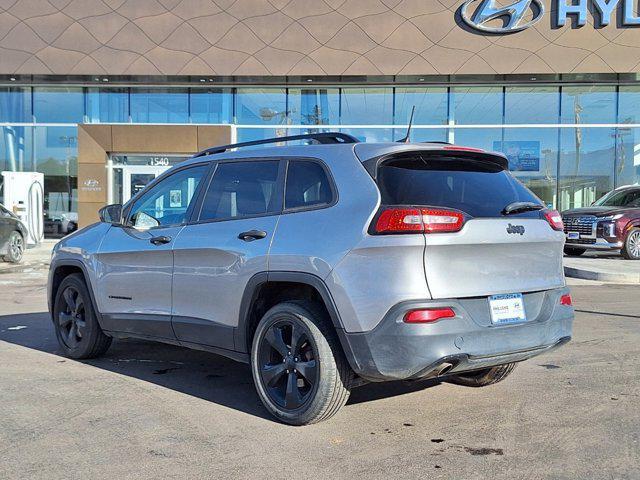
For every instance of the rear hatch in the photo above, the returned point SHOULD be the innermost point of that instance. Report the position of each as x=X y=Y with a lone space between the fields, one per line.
x=473 y=246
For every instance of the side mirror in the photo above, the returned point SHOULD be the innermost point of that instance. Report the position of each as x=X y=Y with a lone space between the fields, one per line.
x=111 y=214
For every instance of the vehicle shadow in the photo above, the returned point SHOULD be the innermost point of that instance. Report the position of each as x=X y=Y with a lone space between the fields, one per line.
x=201 y=374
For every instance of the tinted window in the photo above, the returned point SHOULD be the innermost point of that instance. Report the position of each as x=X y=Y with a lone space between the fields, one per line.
x=624 y=198
x=307 y=185
x=478 y=189
x=242 y=189
x=167 y=202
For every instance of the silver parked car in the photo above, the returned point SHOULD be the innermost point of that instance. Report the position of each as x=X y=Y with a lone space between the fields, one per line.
x=324 y=265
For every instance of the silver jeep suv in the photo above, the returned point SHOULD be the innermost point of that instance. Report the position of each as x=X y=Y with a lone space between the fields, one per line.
x=324 y=264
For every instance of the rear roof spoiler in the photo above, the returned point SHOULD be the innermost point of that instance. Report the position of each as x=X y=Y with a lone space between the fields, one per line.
x=371 y=155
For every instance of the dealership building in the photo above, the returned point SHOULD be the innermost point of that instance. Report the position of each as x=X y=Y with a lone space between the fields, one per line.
x=103 y=95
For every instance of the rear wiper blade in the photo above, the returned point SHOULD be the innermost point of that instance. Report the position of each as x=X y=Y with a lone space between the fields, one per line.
x=518 y=207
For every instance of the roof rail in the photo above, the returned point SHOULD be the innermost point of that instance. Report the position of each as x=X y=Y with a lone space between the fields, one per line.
x=323 y=138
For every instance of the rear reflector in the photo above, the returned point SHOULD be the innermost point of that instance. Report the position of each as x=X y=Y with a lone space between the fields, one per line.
x=555 y=219
x=428 y=315
x=566 y=300
x=419 y=220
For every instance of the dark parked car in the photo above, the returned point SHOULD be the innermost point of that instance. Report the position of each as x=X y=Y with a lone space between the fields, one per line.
x=611 y=223
x=13 y=236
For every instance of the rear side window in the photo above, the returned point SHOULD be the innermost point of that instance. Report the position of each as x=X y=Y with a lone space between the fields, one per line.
x=476 y=188
x=308 y=185
x=242 y=189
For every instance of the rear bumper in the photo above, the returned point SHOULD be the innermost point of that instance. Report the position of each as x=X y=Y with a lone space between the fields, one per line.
x=395 y=350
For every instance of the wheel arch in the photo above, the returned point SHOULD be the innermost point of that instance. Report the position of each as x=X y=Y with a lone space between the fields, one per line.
x=284 y=286
x=62 y=269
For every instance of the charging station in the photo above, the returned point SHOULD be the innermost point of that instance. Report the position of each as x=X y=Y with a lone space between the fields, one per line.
x=24 y=196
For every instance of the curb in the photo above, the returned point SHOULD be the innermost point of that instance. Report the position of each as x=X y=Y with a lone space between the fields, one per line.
x=631 y=278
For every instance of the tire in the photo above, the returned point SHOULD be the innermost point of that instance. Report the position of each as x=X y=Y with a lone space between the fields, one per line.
x=277 y=365
x=482 y=378
x=74 y=319
x=15 y=249
x=631 y=248
x=574 y=252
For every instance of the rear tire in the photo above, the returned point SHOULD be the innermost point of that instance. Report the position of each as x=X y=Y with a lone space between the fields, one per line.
x=298 y=366
x=482 y=378
x=573 y=252
x=631 y=249
x=15 y=248
x=75 y=321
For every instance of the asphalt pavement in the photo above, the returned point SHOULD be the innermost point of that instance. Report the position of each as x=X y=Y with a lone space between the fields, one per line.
x=149 y=411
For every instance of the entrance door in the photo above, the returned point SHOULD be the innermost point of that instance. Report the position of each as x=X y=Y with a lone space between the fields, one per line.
x=136 y=177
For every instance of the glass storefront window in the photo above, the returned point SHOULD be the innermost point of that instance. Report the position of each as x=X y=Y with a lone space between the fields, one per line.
x=430 y=103
x=628 y=156
x=56 y=155
x=58 y=105
x=485 y=138
x=423 y=134
x=107 y=105
x=526 y=105
x=262 y=106
x=16 y=148
x=533 y=159
x=314 y=106
x=629 y=101
x=15 y=104
x=372 y=135
x=587 y=163
x=589 y=104
x=211 y=105
x=477 y=105
x=160 y=105
x=366 y=106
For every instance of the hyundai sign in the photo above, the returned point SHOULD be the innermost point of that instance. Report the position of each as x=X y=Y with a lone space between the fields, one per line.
x=522 y=14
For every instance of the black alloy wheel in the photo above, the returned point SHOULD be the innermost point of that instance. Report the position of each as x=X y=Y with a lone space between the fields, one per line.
x=72 y=318
x=288 y=364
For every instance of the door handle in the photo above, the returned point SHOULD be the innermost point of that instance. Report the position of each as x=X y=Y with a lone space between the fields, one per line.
x=161 y=240
x=252 y=235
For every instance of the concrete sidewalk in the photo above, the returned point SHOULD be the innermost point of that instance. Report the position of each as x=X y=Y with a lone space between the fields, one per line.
x=37 y=258
x=603 y=267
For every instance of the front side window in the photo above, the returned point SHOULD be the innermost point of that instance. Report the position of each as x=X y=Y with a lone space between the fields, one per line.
x=307 y=185
x=242 y=189
x=624 y=198
x=167 y=202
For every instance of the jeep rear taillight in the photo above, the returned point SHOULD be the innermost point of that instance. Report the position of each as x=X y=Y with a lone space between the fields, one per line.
x=419 y=220
x=555 y=219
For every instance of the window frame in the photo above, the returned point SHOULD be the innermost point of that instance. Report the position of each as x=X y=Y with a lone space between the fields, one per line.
x=332 y=186
x=197 y=220
x=157 y=181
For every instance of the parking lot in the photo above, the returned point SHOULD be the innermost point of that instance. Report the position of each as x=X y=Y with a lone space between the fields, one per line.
x=155 y=411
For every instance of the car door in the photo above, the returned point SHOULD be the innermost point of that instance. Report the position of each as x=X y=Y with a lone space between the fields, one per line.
x=215 y=256
x=135 y=260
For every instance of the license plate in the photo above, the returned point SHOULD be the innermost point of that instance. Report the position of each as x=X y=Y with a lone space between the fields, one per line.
x=573 y=236
x=507 y=309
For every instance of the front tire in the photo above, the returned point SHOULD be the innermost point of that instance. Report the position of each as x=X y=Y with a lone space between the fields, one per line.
x=298 y=367
x=573 y=252
x=482 y=378
x=74 y=318
x=631 y=249
x=16 y=248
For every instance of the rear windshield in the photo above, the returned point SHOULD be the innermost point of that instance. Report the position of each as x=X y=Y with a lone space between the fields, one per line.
x=476 y=188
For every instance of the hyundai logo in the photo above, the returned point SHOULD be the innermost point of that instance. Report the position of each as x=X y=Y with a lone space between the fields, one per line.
x=515 y=16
